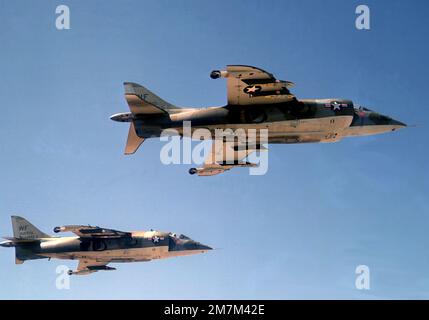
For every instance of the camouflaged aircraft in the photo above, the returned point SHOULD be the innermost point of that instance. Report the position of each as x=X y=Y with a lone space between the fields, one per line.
x=256 y=100
x=96 y=247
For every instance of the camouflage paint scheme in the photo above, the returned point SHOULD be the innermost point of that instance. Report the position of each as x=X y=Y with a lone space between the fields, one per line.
x=96 y=247
x=256 y=100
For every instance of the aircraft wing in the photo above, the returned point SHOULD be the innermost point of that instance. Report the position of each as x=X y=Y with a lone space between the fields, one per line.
x=89 y=266
x=247 y=85
x=224 y=156
x=92 y=232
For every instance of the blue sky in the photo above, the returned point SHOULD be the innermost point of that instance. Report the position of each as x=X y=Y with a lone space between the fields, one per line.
x=297 y=232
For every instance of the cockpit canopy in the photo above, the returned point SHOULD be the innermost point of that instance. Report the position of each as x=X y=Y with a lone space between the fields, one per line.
x=361 y=108
x=180 y=236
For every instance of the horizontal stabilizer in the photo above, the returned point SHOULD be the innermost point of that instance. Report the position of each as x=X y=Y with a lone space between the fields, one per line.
x=18 y=240
x=133 y=141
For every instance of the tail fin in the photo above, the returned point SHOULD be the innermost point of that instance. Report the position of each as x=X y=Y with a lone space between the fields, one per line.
x=24 y=230
x=142 y=101
x=133 y=141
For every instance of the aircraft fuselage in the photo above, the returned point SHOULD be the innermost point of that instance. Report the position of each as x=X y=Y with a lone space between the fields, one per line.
x=318 y=120
x=142 y=246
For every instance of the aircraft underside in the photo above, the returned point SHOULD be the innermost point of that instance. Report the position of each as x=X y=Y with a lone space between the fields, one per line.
x=328 y=129
x=124 y=255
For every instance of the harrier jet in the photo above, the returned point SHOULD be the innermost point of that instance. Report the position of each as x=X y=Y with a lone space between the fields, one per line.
x=96 y=247
x=256 y=100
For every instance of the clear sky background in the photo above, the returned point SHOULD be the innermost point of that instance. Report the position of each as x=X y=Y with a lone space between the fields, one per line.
x=297 y=232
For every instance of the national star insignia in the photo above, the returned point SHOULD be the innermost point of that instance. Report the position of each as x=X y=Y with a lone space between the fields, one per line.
x=252 y=89
x=336 y=106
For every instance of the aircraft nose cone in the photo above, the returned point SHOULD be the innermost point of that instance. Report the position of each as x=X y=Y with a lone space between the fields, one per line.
x=397 y=124
x=191 y=245
x=204 y=247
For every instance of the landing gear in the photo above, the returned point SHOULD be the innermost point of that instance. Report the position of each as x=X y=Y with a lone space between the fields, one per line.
x=193 y=171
